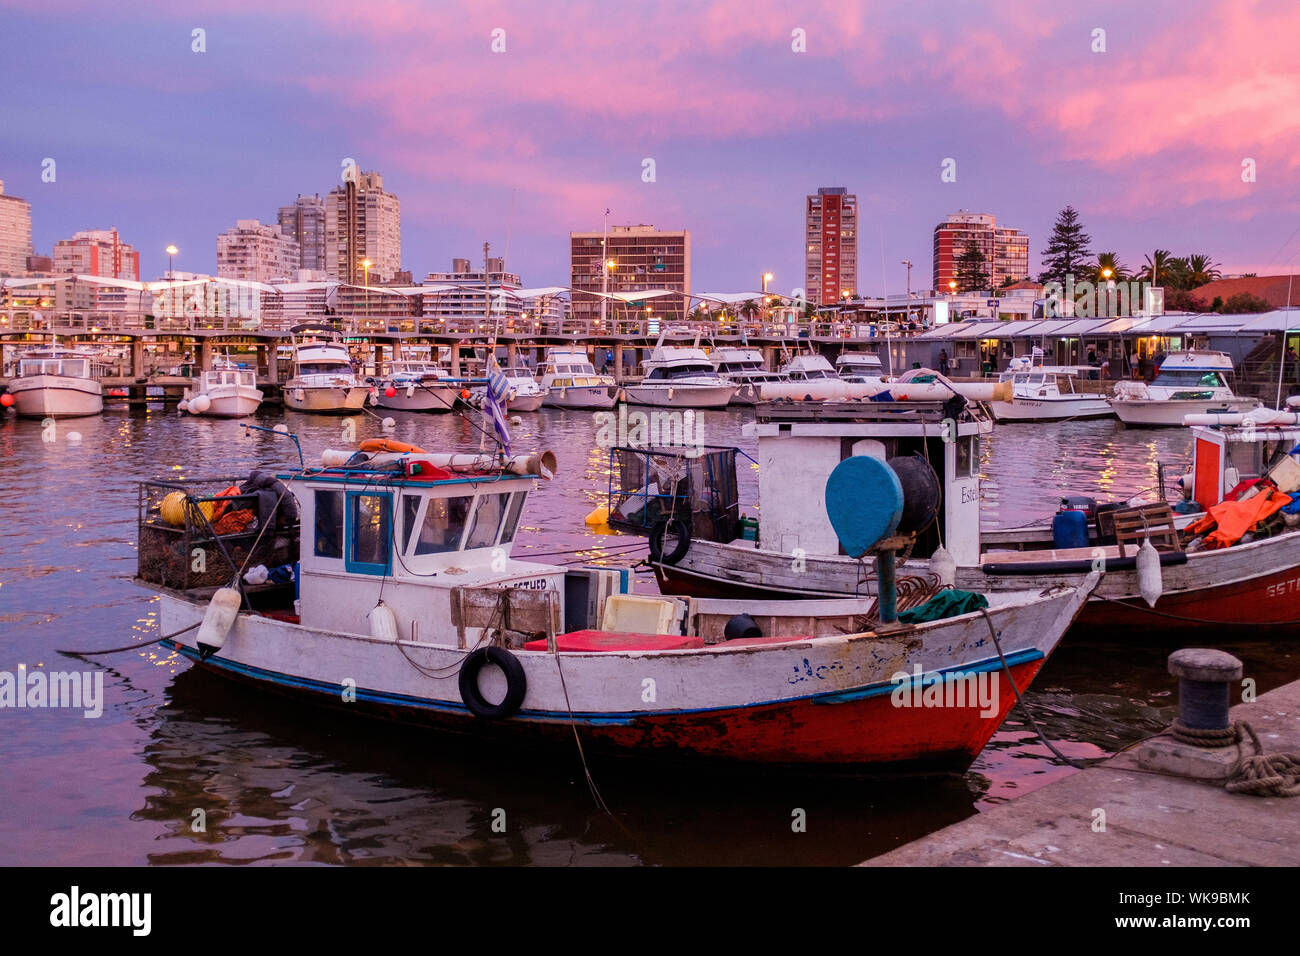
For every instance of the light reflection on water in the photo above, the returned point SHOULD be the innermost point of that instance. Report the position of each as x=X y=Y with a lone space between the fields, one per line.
x=281 y=783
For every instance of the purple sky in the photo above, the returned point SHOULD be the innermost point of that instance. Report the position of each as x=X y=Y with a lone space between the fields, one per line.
x=1146 y=140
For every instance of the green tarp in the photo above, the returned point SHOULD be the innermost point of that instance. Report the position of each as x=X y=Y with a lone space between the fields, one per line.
x=945 y=604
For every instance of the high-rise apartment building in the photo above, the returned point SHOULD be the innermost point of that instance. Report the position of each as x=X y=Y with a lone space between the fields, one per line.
x=97 y=252
x=1005 y=250
x=363 y=222
x=15 y=234
x=304 y=222
x=256 y=253
x=641 y=258
x=830 y=245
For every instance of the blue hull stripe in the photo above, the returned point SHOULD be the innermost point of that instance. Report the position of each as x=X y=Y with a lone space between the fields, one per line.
x=624 y=719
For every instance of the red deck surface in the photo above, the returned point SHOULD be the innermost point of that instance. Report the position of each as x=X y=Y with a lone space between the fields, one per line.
x=617 y=641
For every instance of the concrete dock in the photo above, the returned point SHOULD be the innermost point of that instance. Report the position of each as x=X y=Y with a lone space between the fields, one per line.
x=1150 y=819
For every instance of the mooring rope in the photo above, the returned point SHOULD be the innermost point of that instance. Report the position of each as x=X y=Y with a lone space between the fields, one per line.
x=988 y=619
x=129 y=647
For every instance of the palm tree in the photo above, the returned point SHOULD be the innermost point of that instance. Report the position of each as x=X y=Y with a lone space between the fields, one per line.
x=749 y=309
x=1201 y=269
x=1110 y=260
x=1158 y=270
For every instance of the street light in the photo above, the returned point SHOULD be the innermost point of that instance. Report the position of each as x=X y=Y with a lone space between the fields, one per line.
x=365 y=264
x=171 y=251
x=767 y=277
x=952 y=286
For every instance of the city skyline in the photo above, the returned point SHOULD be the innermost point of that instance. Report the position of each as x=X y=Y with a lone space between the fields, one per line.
x=524 y=146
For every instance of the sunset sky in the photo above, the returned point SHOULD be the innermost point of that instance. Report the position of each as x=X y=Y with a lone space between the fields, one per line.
x=1146 y=140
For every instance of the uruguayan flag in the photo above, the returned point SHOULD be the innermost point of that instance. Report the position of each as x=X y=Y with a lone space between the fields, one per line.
x=498 y=389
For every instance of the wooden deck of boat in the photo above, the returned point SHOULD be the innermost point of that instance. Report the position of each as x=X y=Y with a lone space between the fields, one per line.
x=1150 y=819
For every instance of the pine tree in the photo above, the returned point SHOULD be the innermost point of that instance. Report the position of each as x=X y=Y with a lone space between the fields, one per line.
x=1067 y=251
x=971 y=275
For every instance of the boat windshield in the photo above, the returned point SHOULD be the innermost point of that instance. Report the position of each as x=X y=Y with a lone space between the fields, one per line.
x=662 y=374
x=324 y=368
x=71 y=368
x=1190 y=377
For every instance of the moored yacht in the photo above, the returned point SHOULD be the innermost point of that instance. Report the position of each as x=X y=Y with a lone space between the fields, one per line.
x=1047 y=393
x=226 y=390
x=526 y=394
x=414 y=385
x=571 y=381
x=56 y=382
x=323 y=378
x=860 y=367
x=743 y=367
x=1187 y=383
x=680 y=377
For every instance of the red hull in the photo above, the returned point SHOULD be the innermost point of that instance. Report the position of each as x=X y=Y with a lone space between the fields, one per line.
x=1268 y=599
x=856 y=735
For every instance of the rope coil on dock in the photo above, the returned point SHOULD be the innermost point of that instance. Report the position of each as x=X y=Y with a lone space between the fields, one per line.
x=1258 y=774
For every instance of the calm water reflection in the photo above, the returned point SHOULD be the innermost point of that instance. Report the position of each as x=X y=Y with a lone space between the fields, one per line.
x=281 y=783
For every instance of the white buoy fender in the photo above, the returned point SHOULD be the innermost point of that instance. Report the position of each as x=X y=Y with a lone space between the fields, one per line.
x=218 y=619
x=388 y=424
x=383 y=625
x=200 y=404
x=184 y=406
x=1150 y=583
x=944 y=565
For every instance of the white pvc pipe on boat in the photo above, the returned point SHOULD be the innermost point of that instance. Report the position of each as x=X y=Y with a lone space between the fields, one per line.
x=1237 y=419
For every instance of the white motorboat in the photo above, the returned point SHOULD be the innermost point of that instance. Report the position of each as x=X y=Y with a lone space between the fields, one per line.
x=743 y=367
x=1187 y=383
x=571 y=381
x=809 y=376
x=679 y=376
x=226 y=390
x=323 y=380
x=860 y=367
x=56 y=382
x=418 y=386
x=1047 y=393
x=525 y=395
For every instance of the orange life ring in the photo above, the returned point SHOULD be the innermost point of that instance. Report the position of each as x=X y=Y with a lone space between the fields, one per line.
x=388 y=444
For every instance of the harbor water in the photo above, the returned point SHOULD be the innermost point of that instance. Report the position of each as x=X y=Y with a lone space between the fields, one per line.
x=183 y=767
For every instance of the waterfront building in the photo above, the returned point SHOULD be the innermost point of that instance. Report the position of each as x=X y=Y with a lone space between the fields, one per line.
x=363 y=222
x=830 y=245
x=1005 y=250
x=15 y=234
x=457 y=297
x=639 y=258
x=97 y=252
x=256 y=253
x=304 y=222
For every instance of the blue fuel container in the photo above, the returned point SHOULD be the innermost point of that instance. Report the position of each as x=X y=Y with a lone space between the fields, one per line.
x=1070 y=530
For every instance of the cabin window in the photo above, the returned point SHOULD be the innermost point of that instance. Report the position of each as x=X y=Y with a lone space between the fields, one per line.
x=369 y=533
x=487 y=520
x=444 y=522
x=512 y=516
x=329 y=524
x=968 y=456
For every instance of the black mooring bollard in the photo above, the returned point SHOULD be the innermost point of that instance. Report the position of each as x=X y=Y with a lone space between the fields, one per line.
x=1204 y=675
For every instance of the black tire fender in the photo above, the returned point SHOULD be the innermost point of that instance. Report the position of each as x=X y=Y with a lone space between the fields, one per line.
x=516 y=683
x=682 y=528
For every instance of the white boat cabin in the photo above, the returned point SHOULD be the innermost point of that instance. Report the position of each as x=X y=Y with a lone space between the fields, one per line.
x=569 y=369
x=798 y=449
x=410 y=540
x=809 y=368
x=1223 y=457
x=65 y=363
